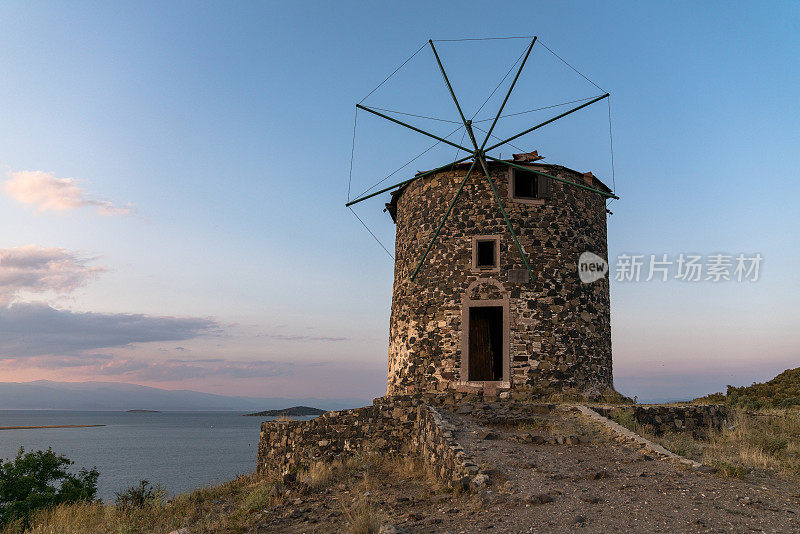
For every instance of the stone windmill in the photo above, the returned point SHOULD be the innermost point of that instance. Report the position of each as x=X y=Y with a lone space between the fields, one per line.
x=487 y=294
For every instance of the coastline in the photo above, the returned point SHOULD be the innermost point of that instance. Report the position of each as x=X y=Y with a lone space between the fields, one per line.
x=44 y=426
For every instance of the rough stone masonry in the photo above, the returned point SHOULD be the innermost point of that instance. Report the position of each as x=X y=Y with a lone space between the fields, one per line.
x=556 y=330
x=549 y=334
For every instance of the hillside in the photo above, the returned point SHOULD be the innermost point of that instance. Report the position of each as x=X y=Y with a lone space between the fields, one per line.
x=783 y=390
x=294 y=411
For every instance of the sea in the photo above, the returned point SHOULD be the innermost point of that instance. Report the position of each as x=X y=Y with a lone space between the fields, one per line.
x=181 y=451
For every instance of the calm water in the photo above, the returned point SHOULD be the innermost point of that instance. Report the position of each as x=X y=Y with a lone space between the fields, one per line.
x=180 y=450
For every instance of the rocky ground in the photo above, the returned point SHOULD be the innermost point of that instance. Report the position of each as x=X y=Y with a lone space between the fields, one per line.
x=548 y=472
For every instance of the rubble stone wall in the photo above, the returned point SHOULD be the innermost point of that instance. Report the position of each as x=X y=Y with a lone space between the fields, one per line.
x=559 y=332
x=697 y=419
x=389 y=426
x=434 y=441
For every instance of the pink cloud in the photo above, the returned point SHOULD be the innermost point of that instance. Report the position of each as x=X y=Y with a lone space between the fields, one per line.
x=46 y=192
x=40 y=269
x=36 y=329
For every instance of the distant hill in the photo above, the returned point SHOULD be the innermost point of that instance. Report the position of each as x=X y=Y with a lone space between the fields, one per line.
x=293 y=411
x=117 y=396
x=783 y=390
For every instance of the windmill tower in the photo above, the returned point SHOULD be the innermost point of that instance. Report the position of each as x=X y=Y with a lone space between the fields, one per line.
x=487 y=293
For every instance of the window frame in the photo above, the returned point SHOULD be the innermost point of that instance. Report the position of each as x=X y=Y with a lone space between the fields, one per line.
x=512 y=178
x=485 y=269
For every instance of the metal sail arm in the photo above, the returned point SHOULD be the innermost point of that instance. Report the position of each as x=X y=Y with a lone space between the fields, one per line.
x=441 y=224
x=529 y=130
x=423 y=132
x=505 y=216
x=545 y=123
x=404 y=182
x=556 y=178
x=505 y=100
x=450 y=88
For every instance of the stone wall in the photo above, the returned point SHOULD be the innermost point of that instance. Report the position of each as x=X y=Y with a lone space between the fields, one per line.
x=697 y=419
x=383 y=427
x=389 y=426
x=560 y=334
x=434 y=441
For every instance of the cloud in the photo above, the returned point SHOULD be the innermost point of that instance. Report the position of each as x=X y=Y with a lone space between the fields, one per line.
x=286 y=337
x=35 y=329
x=53 y=362
x=137 y=369
x=39 y=269
x=47 y=192
x=177 y=370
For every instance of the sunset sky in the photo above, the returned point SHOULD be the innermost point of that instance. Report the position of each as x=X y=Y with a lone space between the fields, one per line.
x=173 y=178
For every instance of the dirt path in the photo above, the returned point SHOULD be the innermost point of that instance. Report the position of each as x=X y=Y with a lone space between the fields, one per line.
x=601 y=485
x=588 y=483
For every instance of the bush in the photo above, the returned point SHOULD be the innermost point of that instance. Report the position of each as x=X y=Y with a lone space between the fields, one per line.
x=37 y=480
x=625 y=418
x=258 y=498
x=143 y=495
x=731 y=470
x=363 y=518
x=769 y=443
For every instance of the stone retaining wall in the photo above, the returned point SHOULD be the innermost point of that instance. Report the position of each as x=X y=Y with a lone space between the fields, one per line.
x=434 y=441
x=388 y=426
x=383 y=427
x=696 y=419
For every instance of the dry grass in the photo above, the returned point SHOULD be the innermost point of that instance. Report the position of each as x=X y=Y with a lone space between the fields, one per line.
x=681 y=443
x=767 y=439
x=81 y=517
x=410 y=467
x=321 y=475
x=363 y=518
x=227 y=507
x=238 y=505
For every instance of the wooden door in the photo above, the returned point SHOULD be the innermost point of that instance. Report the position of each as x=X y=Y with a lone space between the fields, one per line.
x=480 y=346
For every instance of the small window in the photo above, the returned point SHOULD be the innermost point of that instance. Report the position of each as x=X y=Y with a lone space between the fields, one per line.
x=485 y=256
x=486 y=253
x=526 y=185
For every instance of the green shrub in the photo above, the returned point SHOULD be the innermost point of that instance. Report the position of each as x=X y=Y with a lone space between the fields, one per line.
x=257 y=498
x=730 y=469
x=143 y=495
x=682 y=443
x=769 y=443
x=37 y=480
x=783 y=390
x=625 y=418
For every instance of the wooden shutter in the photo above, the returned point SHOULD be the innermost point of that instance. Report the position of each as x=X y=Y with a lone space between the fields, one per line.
x=545 y=187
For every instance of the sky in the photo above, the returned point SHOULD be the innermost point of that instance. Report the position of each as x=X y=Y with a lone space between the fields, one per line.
x=173 y=179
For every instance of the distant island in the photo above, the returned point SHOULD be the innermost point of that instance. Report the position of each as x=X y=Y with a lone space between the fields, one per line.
x=293 y=411
x=142 y=411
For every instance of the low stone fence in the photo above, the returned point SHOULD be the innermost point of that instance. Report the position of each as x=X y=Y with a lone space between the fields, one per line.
x=383 y=427
x=697 y=419
x=386 y=427
x=434 y=440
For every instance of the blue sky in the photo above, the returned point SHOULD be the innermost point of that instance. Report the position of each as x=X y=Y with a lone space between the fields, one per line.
x=210 y=150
